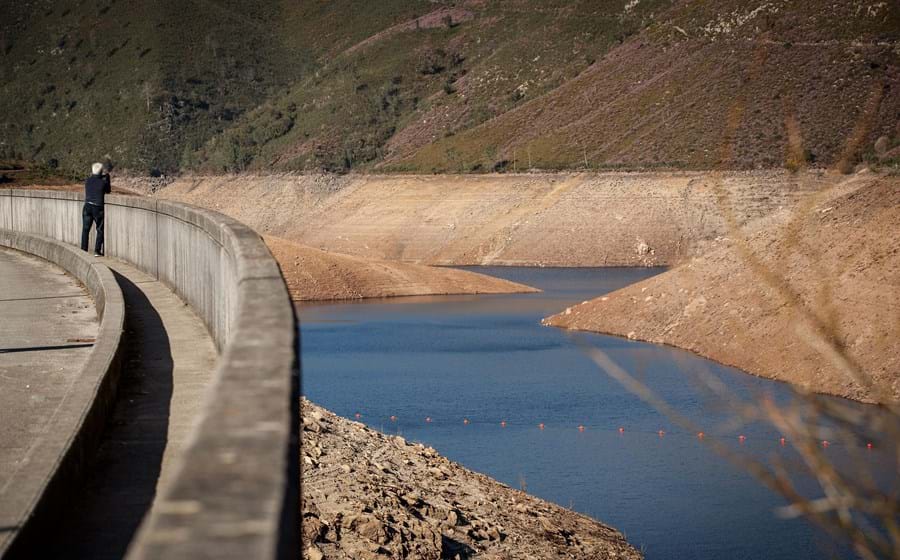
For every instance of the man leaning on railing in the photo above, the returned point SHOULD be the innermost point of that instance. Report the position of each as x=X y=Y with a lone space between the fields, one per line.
x=95 y=189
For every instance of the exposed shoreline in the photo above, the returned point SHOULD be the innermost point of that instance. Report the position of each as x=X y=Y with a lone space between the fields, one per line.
x=316 y=275
x=827 y=271
x=543 y=219
x=372 y=496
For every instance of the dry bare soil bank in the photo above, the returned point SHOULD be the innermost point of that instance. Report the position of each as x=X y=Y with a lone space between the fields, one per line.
x=371 y=496
x=607 y=219
x=312 y=274
x=827 y=271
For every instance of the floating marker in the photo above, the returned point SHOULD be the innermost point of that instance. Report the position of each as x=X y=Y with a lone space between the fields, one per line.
x=869 y=445
x=580 y=428
x=466 y=421
x=357 y=415
x=782 y=442
x=825 y=443
x=393 y=418
x=701 y=435
x=503 y=423
x=661 y=433
x=742 y=438
x=621 y=430
x=541 y=427
x=428 y=419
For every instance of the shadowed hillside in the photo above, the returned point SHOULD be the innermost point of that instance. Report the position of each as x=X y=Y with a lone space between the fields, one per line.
x=469 y=86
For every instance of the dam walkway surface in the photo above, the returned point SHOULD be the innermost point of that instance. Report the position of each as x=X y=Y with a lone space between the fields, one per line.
x=168 y=362
x=48 y=325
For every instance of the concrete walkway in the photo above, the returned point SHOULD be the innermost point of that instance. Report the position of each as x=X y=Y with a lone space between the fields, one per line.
x=48 y=324
x=169 y=361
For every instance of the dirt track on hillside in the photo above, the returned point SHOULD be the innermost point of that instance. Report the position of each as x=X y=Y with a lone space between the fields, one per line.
x=312 y=274
x=828 y=271
x=609 y=219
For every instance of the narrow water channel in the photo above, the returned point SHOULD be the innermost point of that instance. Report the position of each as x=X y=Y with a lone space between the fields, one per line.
x=475 y=376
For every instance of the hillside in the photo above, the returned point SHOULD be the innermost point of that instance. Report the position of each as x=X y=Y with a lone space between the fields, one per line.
x=571 y=219
x=828 y=271
x=465 y=86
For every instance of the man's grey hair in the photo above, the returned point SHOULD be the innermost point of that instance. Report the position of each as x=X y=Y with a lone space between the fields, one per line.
x=96 y=168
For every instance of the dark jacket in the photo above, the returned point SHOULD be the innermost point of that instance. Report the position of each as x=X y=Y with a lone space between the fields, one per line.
x=95 y=189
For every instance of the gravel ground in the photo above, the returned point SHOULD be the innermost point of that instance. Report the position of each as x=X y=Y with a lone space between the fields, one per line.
x=369 y=496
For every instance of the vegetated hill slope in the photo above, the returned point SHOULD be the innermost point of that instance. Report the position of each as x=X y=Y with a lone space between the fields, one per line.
x=789 y=83
x=150 y=82
x=416 y=85
x=829 y=270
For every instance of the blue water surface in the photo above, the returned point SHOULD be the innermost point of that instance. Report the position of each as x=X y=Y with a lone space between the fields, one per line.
x=487 y=360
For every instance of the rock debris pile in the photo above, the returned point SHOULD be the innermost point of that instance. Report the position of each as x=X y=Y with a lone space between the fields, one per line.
x=367 y=495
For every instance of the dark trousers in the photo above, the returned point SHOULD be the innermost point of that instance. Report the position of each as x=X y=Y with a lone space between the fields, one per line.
x=92 y=214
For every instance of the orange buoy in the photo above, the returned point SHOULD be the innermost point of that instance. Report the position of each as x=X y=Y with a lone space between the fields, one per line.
x=541 y=426
x=701 y=435
x=782 y=442
x=621 y=430
x=869 y=445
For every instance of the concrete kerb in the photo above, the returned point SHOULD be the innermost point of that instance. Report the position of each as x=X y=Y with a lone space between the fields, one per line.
x=58 y=461
x=235 y=492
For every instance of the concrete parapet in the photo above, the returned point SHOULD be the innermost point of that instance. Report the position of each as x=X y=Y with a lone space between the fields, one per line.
x=62 y=454
x=236 y=491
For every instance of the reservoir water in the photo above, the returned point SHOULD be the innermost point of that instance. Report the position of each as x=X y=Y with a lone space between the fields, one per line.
x=474 y=376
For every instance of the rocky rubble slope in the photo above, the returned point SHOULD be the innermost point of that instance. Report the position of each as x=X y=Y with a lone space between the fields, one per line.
x=369 y=496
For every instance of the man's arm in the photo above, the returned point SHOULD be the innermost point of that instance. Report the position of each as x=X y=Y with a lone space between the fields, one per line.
x=107 y=186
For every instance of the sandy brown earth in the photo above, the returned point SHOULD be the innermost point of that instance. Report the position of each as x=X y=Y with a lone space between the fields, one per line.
x=587 y=219
x=827 y=272
x=369 y=496
x=312 y=274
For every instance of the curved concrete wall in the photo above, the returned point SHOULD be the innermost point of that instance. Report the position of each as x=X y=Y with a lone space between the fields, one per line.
x=61 y=454
x=236 y=491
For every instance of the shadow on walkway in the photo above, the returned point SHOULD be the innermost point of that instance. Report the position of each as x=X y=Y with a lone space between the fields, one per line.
x=121 y=484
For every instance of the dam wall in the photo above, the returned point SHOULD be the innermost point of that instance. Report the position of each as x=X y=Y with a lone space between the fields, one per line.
x=236 y=491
